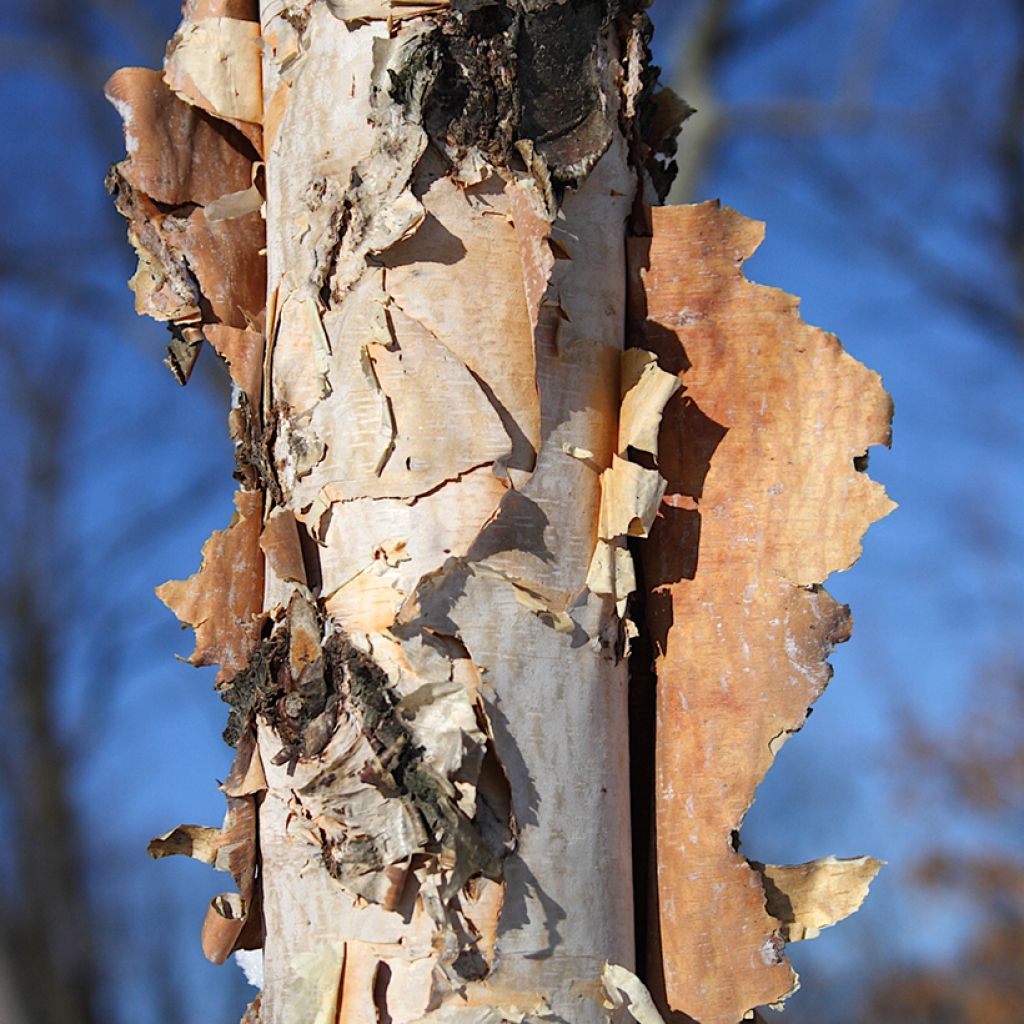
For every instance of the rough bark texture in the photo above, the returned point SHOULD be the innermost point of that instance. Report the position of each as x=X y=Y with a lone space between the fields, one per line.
x=461 y=338
x=445 y=449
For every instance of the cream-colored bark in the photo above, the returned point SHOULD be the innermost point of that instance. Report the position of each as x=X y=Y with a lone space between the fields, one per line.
x=443 y=358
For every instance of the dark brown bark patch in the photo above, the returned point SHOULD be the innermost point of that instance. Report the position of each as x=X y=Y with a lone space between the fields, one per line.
x=300 y=685
x=502 y=72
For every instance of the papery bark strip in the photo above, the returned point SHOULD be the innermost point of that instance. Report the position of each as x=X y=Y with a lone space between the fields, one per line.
x=762 y=449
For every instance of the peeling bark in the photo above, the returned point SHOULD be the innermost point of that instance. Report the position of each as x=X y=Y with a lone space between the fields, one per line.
x=762 y=450
x=454 y=533
x=221 y=600
x=405 y=229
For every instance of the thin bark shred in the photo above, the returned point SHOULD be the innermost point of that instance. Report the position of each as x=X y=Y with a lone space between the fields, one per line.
x=403 y=226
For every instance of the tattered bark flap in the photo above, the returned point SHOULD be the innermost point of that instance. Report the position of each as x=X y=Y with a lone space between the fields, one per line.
x=215 y=64
x=646 y=389
x=357 y=1004
x=223 y=255
x=625 y=991
x=233 y=920
x=805 y=898
x=630 y=496
x=177 y=153
x=457 y=250
x=220 y=600
x=283 y=549
x=763 y=501
x=242 y=350
x=190 y=190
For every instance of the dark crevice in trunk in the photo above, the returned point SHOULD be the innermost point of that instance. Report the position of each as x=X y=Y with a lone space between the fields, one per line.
x=642 y=726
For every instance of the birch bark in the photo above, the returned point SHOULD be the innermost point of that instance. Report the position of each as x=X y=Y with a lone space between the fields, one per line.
x=447 y=327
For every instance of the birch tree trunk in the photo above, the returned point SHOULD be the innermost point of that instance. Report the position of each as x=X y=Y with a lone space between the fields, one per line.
x=442 y=343
x=404 y=228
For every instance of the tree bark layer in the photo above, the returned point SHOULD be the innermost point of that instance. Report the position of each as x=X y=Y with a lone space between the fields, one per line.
x=443 y=331
x=763 y=449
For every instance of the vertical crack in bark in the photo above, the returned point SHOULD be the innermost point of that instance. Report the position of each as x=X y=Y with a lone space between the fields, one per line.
x=642 y=739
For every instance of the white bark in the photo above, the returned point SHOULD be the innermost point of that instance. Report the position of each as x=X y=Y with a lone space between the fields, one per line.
x=457 y=361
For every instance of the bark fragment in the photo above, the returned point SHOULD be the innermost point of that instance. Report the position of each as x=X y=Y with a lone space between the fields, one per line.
x=215 y=63
x=178 y=153
x=626 y=991
x=646 y=389
x=805 y=898
x=764 y=501
x=188 y=190
x=233 y=920
x=282 y=544
x=221 y=600
x=314 y=984
x=242 y=351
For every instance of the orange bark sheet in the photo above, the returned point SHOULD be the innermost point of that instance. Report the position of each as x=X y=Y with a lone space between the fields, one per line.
x=764 y=500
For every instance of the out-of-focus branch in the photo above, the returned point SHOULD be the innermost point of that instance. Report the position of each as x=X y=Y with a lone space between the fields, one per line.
x=794 y=117
x=765 y=26
x=1010 y=156
x=866 y=54
x=694 y=81
x=718 y=32
x=10 y=1011
x=715 y=35
x=46 y=914
x=893 y=234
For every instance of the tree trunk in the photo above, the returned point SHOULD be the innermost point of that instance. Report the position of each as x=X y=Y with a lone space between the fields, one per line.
x=443 y=347
x=445 y=451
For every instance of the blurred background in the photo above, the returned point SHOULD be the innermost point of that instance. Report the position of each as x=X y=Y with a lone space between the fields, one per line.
x=883 y=142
